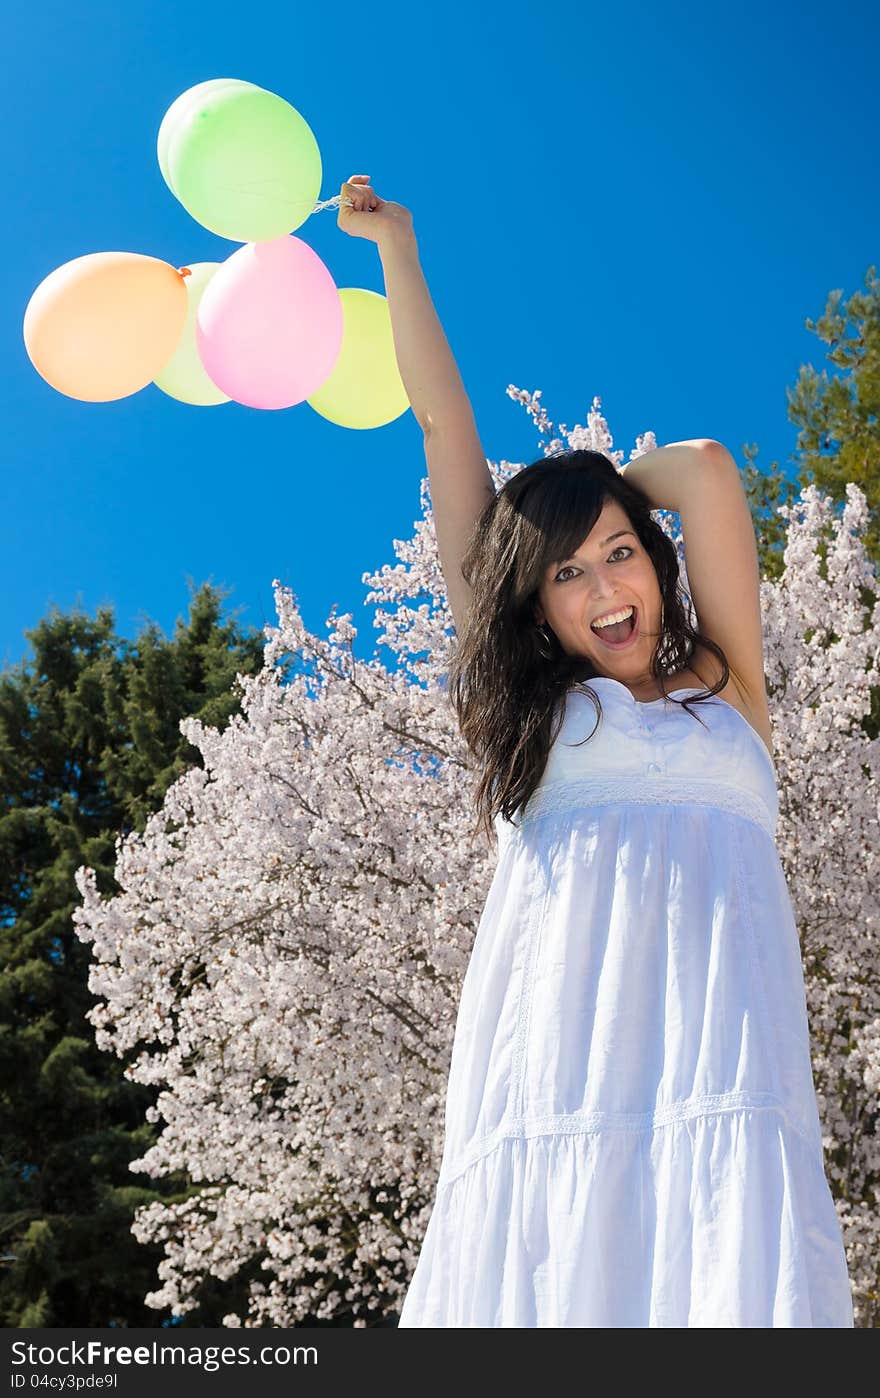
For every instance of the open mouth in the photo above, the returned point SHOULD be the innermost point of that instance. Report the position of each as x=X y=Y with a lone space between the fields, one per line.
x=621 y=634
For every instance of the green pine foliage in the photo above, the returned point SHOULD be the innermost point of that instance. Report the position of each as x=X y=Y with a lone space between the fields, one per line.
x=89 y=744
x=838 y=421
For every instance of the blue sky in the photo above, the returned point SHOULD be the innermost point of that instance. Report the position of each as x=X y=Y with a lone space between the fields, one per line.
x=639 y=201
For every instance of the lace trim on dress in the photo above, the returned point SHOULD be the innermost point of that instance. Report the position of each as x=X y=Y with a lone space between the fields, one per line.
x=586 y=792
x=585 y=1123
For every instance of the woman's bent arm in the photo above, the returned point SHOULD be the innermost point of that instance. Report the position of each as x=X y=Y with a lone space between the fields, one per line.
x=666 y=474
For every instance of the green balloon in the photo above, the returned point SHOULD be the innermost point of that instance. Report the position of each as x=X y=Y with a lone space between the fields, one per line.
x=181 y=112
x=184 y=376
x=240 y=160
x=364 y=387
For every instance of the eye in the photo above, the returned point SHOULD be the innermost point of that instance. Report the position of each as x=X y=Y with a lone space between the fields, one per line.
x=621 y=548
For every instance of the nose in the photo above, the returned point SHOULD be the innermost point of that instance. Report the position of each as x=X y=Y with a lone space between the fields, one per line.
x=603 y=586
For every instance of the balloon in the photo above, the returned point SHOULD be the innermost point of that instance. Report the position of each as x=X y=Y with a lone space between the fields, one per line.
x=184 y=377
x=241 y=160
x=364 y=387
x=269 y=324
x=183 y=111
x=102 y=326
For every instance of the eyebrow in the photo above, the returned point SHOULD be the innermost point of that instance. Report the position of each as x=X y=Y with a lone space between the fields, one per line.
x=617 y=535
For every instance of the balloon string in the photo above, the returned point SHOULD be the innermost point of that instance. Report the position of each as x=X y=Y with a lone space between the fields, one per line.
x=332 y=203
x=325 y=204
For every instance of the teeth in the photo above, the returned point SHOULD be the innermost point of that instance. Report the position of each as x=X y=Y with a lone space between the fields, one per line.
x=615 y=616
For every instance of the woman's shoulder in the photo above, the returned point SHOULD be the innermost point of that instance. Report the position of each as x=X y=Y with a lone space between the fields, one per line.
x=705 y=671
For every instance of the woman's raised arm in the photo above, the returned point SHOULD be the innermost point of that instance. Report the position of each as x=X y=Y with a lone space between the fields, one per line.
x=460 y=480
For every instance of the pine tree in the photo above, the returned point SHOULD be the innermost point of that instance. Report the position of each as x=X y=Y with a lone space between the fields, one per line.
x=838 y=439
x=89 y=744
x=838 y=421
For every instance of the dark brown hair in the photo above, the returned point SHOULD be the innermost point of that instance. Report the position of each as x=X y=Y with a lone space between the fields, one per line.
x=502 y=685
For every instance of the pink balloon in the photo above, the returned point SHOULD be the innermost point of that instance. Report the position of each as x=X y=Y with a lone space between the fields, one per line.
x=269 y=324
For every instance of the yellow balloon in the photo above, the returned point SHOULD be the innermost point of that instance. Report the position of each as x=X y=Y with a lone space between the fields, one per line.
x=102 y=326
x=364 y=387
x=184 y=377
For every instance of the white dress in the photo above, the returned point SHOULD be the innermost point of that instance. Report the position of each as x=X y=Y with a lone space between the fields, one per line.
x=631 y=1133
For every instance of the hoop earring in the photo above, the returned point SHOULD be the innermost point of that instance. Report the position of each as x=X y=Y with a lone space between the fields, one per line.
x=546 y=654
x=665 y=639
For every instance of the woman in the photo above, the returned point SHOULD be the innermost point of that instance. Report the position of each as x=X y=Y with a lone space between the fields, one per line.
x=632 y=1136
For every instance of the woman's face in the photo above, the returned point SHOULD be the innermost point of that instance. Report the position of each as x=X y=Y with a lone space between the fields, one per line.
x=604 y=576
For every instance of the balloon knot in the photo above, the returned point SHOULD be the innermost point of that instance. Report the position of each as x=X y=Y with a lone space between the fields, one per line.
x=184 y=271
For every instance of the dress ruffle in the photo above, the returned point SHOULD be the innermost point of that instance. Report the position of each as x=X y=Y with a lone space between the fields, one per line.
x=710 y=1221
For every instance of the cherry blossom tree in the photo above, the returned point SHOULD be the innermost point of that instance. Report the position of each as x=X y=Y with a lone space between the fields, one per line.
x=285 y=958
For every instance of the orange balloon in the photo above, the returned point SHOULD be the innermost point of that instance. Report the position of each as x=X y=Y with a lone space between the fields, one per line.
x=103 y=326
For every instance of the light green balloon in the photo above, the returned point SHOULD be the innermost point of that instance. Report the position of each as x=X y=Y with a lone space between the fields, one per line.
x=364 y=387
x=184 y=376
x=240 y=160
x=181 y=112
